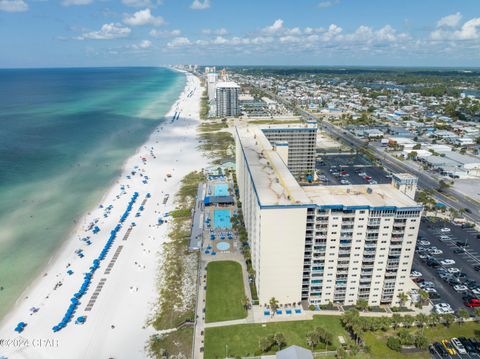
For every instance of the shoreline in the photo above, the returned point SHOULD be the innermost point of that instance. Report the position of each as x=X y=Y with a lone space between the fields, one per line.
x=41 y=322
x=83 y=218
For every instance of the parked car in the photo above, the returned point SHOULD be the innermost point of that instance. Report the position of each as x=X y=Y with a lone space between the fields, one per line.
x=471 y=301
x=461 y=244
x=453 y=270
x=447 y=262
x=459 y=250
x=445 y=230
x=468 y=345
x=458 y=346
x=443 y=308
x=445 y=238
x=449 y=347
x=460 y=288
x=476 y=268
x=438 y=347
x=424 y=243
x=436 y=251
x=415 y=274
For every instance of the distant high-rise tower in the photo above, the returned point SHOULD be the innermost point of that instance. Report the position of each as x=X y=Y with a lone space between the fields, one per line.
x=212 y=78
x=227 y=99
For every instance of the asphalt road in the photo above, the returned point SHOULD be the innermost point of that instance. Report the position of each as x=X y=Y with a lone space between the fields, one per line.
x=449 y=197
x=425 y=180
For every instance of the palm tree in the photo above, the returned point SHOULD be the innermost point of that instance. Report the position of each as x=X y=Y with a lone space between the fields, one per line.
x=448 y=319
x=385 y=323
x=421 y=320
x=424 y=297
x=403 y=298
x=463 y=314
x=434 y=319
x=312 y=340
x=362 y=305
x=273 y=305
x=477 y=313
x=246 y=302
x=408 y=320
x=396 y=320
x=279 y=340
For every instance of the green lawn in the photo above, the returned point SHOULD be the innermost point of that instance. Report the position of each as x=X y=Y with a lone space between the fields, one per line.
x=242 y=340
x=225 y=292
x=377 y=340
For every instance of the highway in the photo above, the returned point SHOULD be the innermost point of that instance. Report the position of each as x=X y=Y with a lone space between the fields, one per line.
x=448 y=196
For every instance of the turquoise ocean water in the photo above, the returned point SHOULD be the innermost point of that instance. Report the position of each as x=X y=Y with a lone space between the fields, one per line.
x=64 y=134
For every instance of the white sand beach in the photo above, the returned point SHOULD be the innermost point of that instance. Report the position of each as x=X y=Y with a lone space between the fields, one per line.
x=115 y=325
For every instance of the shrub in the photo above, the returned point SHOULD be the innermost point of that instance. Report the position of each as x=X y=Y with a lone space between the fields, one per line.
x=394 y=344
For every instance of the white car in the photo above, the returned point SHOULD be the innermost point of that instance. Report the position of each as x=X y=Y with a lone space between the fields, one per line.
x=453 y=270
x=435 y=251
x=445 y=238
x=425 y=243
x=476 y=291
x=447 y=262
x=445 y=230
x=362 y=174
x=458 y=345
x=426 y=284
x=415 y=274
x=443 y=308
x=460 y=288
x=429 y=290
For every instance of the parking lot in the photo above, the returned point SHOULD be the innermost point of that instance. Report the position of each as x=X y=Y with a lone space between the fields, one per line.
x=455 y=238
x=349 y=169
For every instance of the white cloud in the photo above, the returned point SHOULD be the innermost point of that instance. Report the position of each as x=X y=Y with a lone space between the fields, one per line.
x=220 y=40
x=327 y=4
x=275 y=27
x=450 y=20
x=294 y=31
x=179 y=41
x=165 y=33
x=13 y=5
x=221 y=31
x=311 y=30
x=199 y=5
x=143 y=17
x=107 y=32
x=76 y=2
x=145 y=44
x=470 y=30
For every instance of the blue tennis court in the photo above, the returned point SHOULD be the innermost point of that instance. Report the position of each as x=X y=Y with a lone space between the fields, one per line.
x=221 y=189
x=221 y=218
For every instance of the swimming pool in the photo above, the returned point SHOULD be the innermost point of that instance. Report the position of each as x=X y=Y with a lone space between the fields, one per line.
x=221 y=189
x=221 y=218
x=223 y=246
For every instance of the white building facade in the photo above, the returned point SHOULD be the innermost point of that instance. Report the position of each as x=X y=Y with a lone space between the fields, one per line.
x=319 y=243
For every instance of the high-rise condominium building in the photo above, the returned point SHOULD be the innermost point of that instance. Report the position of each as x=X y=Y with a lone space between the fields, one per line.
x=212 y=78
x=227 y=99
x=319 y=243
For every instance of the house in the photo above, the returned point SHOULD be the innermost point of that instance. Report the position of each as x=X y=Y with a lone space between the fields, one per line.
x=294 y=352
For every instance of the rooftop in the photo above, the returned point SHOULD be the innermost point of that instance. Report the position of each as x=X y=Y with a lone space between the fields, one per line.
x=275 y=185
x=228 y=84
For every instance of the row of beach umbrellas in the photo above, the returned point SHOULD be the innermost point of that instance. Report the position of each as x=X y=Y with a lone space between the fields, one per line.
x=95 y=265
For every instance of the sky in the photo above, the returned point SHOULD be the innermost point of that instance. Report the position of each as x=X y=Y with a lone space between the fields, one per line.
x=65 y=33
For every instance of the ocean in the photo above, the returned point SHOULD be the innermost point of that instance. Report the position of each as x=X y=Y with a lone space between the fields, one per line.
x=64 y=135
